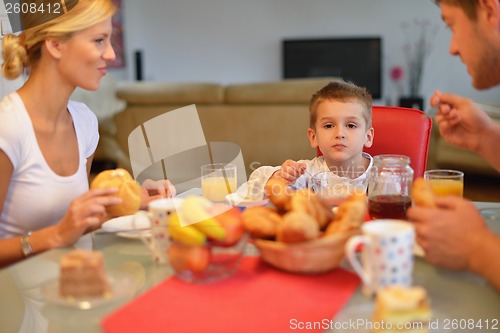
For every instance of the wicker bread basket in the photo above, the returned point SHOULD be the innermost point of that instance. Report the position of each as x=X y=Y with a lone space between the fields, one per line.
x=316 y=256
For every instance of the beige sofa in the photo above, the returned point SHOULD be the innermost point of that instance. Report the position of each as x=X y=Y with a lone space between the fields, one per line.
x=269 y=121
x=443 y=155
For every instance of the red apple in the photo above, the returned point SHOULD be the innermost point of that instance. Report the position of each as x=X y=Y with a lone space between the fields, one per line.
x=230 y=219
x=195 y=258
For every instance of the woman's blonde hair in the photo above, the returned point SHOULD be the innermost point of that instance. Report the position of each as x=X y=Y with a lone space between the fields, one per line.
x=25 y=50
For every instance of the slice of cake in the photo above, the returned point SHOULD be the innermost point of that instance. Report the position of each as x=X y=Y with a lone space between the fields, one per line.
x=402 y=309
x=82 y=274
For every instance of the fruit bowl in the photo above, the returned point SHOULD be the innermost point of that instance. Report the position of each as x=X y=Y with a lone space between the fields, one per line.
x=310 y=257
x=208 y=240
x=205 y=263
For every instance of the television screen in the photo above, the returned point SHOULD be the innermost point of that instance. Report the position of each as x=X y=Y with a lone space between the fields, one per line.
x=358 y=60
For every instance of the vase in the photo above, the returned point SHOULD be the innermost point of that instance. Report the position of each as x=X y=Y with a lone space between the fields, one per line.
x=414 y=102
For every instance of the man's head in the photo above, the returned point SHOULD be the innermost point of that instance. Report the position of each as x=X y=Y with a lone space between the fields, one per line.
x=469 y=7
x=475 y=27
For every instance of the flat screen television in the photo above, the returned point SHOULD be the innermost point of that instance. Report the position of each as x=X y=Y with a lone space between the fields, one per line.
x=354 y=59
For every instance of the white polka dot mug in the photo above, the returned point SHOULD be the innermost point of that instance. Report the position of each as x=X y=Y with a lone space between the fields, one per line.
x=158 y=239
x=387 y=254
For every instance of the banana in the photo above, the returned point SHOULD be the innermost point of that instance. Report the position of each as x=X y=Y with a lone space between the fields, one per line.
x=195 y=213
x=184 y=234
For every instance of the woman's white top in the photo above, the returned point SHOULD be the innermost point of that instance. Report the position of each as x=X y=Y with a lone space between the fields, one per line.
x=37 y=197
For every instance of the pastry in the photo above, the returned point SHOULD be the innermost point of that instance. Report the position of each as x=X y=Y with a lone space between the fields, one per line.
x=261 y=222
x=350 y=214
x=82 y=274
x=305 y=200
x=297 y=227
x=402 y=309
x=422 y=193
x=279 y=193
x=128 y=190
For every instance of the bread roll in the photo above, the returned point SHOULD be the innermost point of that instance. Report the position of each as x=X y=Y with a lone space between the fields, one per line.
x=261 y=222
x=279 y=193
x=128 y=190
x=422 y=193
x=306 y=201
x=297 y=227
x=350 y=214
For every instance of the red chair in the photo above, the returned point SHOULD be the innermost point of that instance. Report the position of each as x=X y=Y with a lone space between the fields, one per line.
x=401 y=131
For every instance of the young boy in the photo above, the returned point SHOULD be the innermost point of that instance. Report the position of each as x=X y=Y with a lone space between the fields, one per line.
x=340 y=125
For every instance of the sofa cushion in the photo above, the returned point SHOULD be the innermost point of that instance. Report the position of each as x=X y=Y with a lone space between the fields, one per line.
x=451 y=157
x=154 y=93
x=296 y=91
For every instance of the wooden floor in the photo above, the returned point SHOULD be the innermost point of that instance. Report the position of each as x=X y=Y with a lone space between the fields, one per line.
x=477 y=188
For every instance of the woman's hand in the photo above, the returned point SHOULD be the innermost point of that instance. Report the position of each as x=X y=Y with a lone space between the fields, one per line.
x=86 y=213
x=156 y=189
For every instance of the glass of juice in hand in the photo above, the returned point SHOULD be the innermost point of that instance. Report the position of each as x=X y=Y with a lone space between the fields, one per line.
x=218 y=180
x=446 y=182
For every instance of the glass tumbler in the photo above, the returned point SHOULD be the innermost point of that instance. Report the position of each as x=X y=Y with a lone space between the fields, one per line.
x=218 y=180
x=446 y=182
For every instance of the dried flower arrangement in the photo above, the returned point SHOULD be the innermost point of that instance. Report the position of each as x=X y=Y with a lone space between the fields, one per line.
x=419 y=36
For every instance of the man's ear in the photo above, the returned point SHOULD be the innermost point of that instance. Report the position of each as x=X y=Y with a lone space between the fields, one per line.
x=53 y=47
x=369 y=137
x=491 y=11
x=311 y=134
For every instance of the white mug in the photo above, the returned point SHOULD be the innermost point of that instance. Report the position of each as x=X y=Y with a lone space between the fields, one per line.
x=158 y=240
x=387 y=254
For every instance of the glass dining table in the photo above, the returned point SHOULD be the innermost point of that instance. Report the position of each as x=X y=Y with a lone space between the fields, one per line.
x=457 y=298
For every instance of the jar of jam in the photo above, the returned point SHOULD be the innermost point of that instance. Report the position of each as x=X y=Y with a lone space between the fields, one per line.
x=389 y=187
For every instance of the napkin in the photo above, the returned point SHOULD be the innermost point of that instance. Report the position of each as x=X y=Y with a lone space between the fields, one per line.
x=258 y=298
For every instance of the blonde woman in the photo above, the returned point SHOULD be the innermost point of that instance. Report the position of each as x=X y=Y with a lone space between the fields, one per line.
x=47 y=142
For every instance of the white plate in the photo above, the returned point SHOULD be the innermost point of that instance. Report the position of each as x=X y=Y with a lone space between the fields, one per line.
x=122 y=285
x=134 y=234
x=125 y=223
x=193 y=191
x=234 y=198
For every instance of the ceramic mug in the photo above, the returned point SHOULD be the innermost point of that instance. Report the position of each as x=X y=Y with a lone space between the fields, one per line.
x=387 y=254
x=158 y=240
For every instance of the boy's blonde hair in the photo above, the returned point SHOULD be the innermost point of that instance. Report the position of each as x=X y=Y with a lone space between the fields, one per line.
x=25 y=50
x=468 y=6
x=343 y=92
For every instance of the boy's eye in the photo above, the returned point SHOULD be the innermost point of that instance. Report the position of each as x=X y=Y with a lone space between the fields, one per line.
x=327 y=126
x=352 y=126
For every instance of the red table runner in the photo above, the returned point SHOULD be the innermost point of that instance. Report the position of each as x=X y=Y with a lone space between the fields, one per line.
x=258 y=298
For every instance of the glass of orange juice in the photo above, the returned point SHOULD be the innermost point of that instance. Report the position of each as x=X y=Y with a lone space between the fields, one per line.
x=446 y=182
x=218 y=180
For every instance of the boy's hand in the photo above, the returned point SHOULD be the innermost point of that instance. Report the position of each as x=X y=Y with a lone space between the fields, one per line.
x=290 y=171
